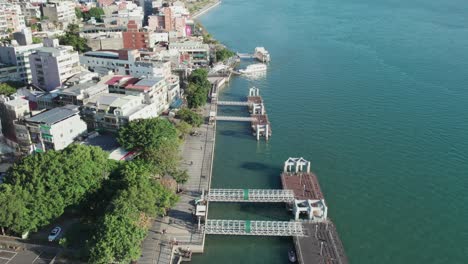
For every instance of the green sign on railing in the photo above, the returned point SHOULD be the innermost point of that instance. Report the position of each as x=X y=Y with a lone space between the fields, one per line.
x=246 y=194
x=247 y=226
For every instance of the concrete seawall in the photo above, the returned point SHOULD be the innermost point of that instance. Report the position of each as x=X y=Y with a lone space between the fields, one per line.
x=206 y=9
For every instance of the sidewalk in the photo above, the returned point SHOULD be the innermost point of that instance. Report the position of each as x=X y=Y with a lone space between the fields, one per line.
x=180 y=225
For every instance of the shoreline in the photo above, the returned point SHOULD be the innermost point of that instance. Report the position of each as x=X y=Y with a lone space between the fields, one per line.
x=206 y=8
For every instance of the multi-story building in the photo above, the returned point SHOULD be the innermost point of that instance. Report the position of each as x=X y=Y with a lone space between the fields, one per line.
x=136 y=38
x=154 y=90
x=198 y=52
x=52 y=64
x=79 y=94
x=30 y=11
x=12 y=109
x=126 y=12
x=54 y=129
x=18 y=57
x=23 y=37
x=125 y=62
x=61 y=12
x=11 y=19
x=111 y=111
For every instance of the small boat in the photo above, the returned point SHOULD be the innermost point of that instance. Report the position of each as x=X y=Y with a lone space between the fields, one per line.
x=258 y=67
x=262 y=54
x=292 y=256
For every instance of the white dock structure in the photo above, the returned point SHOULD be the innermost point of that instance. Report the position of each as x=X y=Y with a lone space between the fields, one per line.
x=258 y=117
x=251 y=195
x=234 y=103
x=253 y=228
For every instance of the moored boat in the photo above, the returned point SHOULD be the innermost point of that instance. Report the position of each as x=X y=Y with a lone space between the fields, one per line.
x=262 y=54
x=253 y=68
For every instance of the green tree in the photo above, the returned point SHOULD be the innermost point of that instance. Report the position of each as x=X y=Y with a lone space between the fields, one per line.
x=6 y=89
x=72 y=38
x=145 y=134
x=190 y=117
x=224 y=54
x=123 y=228
x=184 y=128
x=36 y=40
x=164 y=159
x=95 y=12
x=198 y=88
x=118 y=236
x=78 y=13
x=181 y=177
x=43 y=185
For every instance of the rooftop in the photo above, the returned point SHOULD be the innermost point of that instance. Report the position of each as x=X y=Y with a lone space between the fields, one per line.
x=17 y=102
x=143 y=84
x=55 y=115
x=117 y=79
x=102 y=54
x=54 y=50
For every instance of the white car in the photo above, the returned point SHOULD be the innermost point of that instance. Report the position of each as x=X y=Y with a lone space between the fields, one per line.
x=54 y=233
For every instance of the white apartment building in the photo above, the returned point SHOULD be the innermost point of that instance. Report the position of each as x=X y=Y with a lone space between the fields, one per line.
x=132 y=64
x=30 y=11
x=54 y=129
x=111 y=111
x=18 y=57
x=53 y=64
x=62 y=12
x=11 y=18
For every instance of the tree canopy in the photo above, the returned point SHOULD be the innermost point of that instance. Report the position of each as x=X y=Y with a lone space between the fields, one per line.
x=123 y=228
x=224 y=54
x=198 y=88
x=191 y=117
x=95 y=12
x=145 y=134
x=72 y=38
x=43 y=185
x=6 y=89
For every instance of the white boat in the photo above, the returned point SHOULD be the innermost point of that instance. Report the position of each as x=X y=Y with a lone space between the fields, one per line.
x=262 y=54
x=253 y=68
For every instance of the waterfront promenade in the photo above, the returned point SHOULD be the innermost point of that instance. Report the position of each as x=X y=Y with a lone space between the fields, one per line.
x=179 y=224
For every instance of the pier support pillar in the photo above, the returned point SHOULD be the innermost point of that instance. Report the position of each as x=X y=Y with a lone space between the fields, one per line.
x=258 y=132
x=266 y=131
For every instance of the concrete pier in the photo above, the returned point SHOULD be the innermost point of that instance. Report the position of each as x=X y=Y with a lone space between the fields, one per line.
x=321 y=243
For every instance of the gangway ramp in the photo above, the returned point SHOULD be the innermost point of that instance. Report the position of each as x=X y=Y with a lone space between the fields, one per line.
x=234 y=103
x=235 y=118
x=251 y=195
x=253 y=228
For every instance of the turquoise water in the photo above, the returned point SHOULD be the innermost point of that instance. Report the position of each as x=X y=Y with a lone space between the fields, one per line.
x=375 y=95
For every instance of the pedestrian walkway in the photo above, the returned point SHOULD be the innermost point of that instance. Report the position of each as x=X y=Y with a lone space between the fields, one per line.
x=179 y=226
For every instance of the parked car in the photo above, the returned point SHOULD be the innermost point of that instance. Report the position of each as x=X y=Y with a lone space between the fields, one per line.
x=54 y=233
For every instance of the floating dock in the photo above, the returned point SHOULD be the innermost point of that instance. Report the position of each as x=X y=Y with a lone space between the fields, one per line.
x=321 y=243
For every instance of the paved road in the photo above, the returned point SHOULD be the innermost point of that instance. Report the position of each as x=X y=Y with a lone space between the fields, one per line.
x=180 y=225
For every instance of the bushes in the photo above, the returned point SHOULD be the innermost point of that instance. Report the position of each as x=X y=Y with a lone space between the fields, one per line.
x=190 y=117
